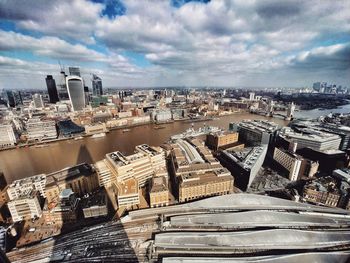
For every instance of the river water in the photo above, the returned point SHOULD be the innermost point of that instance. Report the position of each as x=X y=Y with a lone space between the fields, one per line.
x=24 y=162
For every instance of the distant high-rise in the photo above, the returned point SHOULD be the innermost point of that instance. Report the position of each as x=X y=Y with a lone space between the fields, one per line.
x=38 y=101
x=13 y=98
x=96 y=85
x=75 y=88
x=51 y=89
x=74 y=71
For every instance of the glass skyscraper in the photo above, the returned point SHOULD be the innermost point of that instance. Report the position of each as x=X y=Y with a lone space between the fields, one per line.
x=75 y=88
x=96 y=85
x=51 y=89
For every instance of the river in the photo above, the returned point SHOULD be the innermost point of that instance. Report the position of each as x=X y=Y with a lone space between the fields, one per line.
x=24 y=162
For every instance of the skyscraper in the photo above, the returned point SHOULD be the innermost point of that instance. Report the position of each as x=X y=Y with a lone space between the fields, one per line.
x=51 y=89
x=13 y=98
x=96 y=85
x=38 y=101
x=75 y=88
x=74 y=71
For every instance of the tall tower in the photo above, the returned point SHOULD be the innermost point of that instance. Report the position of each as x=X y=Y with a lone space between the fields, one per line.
x=51 y=89
x=96 y=85
x=38 y=101
x=75 y=88
x=290 y=111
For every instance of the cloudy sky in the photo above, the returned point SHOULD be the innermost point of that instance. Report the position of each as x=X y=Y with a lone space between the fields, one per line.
x=176 y=42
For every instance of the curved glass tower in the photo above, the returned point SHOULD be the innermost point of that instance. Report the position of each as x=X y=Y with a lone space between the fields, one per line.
x=75 y=88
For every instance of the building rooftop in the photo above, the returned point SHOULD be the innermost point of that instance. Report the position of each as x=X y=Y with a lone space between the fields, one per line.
x=247 y=157
x=159 y=184
x=69 y=173
x=308 y=134
x=97 y=199
x=28 y=180
x=259 y=125
x=127 y=187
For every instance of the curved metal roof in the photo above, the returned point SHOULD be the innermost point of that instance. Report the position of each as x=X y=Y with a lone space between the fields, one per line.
x=252 y=240
x=319 y=257
x=255 y=219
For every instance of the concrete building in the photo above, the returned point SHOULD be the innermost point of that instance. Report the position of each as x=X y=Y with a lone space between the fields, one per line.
x=290 y=161
x=311 y=138
x=159 y=192
x=218 y=140
x=74 y=71
x=25 y=206
x=257 y=132
x=251 y=95
x=244 y=164
x=195 y=185
x=162 y=115
x=63 y=210
x=95 y=205
x=323 y=192
x=41 y=130
x=7 y=135
x=141 y=165
x=81 y=179
x=38 y=101
x=95 y=128
x=127 y=192
x=18 y=187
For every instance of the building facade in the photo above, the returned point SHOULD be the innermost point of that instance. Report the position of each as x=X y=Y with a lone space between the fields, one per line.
x=41 y=129
x=51 y=89
x=76 y=93
x=7 y=135
x=25 y=206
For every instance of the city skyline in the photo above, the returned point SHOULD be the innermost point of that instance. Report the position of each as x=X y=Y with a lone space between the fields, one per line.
x=180 y=43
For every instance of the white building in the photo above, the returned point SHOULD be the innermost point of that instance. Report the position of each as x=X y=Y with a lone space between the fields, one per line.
x=38 y=101
x=41 y=129
x=7 y=135
x=18 y=187
x=289 y=161
x=141 y=165
x=25 y=206
x=312 y=139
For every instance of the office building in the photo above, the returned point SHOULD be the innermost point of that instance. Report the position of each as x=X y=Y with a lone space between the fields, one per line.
x=3 y=190
x=13 y=98
x=337 y=129
x=141 y=165
x=25 y=206
x=7 y=135
x=97 y=85
x=95 y=205
x=159 y=194
x=18 y=187
x=96 y=128
x=290 y=161
x=219 y=140
x=244 y=164
x=322 y=191
x=76 y=93
x=51 y=89
x=195 y=185
x=311 y=138
x=192 y=156
x=257 y=132
x=40 y=129
x=81 y=179
x=38 y=101
x=69 y=128
x=127 y=192
x=74 y=71
x=62 y=211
